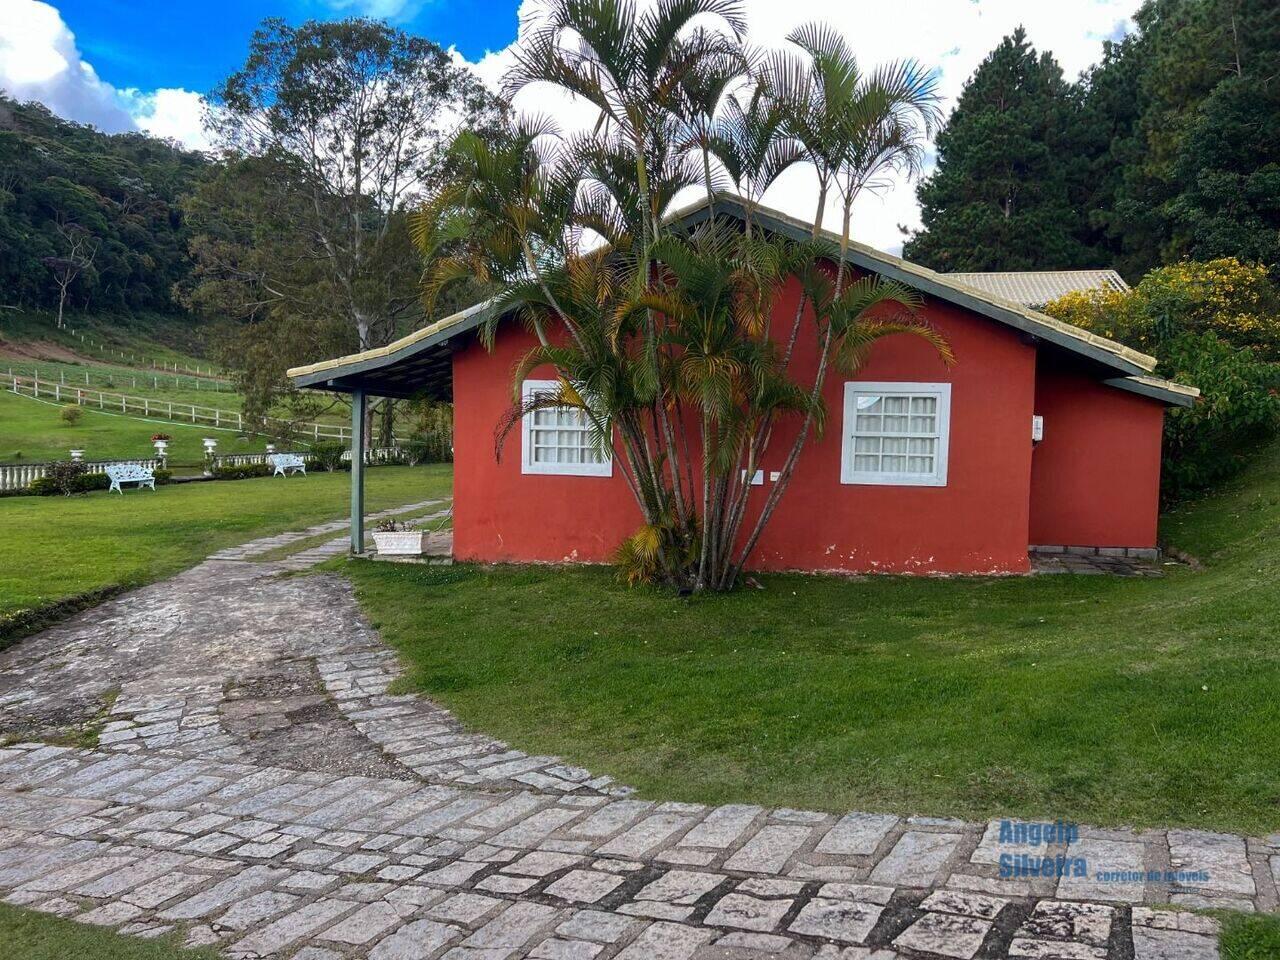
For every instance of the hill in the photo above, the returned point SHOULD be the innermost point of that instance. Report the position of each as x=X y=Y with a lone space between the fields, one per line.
x=102 y=207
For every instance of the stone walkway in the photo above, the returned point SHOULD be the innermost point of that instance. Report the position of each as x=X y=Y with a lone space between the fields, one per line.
x=256 y=786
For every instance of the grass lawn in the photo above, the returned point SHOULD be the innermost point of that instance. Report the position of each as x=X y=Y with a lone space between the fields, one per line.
x=30 y=935
x=1105 y=700
x=52 y=548
x=1250 y=937
x=33 y=431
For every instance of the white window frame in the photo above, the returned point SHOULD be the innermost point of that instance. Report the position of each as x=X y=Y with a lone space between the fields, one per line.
x=527 y=463
x=855 y=388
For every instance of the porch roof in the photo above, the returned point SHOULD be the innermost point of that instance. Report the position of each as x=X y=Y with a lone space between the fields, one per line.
x=420 y=362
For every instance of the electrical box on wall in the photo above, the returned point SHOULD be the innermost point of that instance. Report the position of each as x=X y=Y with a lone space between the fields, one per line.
x=1037 y=429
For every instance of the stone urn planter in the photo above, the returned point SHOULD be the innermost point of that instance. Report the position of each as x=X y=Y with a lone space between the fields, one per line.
x=399 y=543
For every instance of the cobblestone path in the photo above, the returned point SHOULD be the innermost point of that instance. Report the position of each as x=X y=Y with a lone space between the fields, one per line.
x=256 y=786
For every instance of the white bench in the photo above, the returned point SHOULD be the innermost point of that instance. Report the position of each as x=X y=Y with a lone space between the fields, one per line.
x=119 y=473
x=286 y=463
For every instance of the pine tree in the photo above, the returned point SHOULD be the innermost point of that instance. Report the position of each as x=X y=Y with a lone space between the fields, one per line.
x=1001 y=196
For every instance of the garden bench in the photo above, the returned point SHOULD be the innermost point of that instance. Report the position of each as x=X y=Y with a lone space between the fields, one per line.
x=286 y=463
x=119 y=473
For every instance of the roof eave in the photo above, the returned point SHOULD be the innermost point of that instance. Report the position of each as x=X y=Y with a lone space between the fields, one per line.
x=1166 y=391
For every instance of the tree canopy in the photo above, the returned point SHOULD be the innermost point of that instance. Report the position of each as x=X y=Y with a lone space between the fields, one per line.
x=1000 y=196
x=328 y=132
x=63 y=183
x=1169 y=147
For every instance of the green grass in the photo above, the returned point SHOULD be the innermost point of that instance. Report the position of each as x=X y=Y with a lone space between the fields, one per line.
x=1105 y=700
x=33 y=431
x=52 y=548
x=1250 y=937
x=30 y=935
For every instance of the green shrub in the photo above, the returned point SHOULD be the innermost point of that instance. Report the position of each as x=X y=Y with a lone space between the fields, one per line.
x=47 y=486
x=1215 y=326
x=328 y=454
x=64 y=475
x=243 y=472
x=71 y=414
x=1239 y=409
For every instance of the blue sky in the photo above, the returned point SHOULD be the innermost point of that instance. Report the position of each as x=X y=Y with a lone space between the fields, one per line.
x=146 y=44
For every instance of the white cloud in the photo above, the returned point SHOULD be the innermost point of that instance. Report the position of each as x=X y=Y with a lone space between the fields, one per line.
x=39 y=60
x=952 y=35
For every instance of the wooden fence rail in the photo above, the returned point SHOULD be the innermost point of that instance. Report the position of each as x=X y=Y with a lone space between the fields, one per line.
x=169 y=410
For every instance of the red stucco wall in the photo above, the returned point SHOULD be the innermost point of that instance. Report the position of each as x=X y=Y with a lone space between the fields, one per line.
x=978 y=522
x=1095 y=477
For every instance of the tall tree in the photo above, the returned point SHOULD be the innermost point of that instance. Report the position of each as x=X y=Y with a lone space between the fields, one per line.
x=330 y=132
x=1000 y=197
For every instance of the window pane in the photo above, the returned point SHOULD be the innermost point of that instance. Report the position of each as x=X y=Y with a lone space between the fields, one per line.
x=896 y=424
x=927 y=405
x=866 y=464
x=922 y=445
x=895 y=445
x=868 y=424
x=866 y=445
x=924 y=424
x=893 y=464
x=920 y=464
x=896 y=404
x=868 y=404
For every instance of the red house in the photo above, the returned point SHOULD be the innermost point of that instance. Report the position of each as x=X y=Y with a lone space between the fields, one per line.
x=1040 y=435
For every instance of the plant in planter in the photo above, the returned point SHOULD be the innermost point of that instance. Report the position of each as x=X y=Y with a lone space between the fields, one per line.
x=398 y=538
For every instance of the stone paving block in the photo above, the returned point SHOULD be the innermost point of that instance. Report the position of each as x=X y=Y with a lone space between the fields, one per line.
x=255 y=909
x=163 y=889
x=1115 y=871
x=856 y=834
x=540 y=863
x=222 y=894
x=945 y=934
x=748 y=913
x=366 y=924
x=463 y=908
x=770 y=849
x=415 y=940
x=292 y=927
x=556 y=948
x=645 y=835
x=681 y=887
x=847 y=921
x=111 y=914
x=1221 y=857
x=597 y=926
x=964 y=904
x=584 y=886
x=722 y=827
x=916 y=859
x=1057 y=922
x=665 y=941
x=513 y=927
x=1151 y=944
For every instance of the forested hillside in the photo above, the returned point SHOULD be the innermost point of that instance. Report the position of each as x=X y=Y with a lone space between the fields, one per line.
x=94 y=211
x=1168 y=148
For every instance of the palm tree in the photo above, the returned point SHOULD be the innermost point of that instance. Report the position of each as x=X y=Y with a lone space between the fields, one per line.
x=856 y=126
x=659 y=338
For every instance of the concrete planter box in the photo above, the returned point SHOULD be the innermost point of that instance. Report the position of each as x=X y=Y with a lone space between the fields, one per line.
x=407 y=543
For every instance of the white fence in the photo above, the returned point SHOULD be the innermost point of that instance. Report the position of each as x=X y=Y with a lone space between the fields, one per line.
x=373 y=455
x=168 y=410
x=19 y=476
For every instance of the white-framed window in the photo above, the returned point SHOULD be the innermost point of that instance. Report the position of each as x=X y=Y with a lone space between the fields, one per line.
x=558 y=440
x=896 y=433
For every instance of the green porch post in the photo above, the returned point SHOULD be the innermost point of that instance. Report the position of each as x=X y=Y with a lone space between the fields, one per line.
x=357 y=471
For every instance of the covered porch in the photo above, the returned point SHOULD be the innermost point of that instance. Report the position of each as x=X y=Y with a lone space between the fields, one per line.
x=418 y=365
